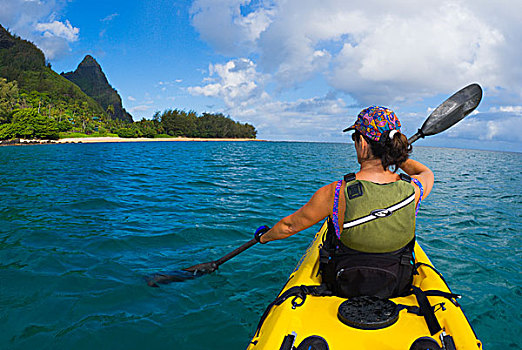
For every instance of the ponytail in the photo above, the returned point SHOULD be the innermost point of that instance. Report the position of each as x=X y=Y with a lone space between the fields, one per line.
x=392 y=151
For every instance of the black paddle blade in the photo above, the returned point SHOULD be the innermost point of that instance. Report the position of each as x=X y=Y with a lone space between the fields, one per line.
x=204 y=268
x=181 y=275
x=451 y=111
x=164 y=278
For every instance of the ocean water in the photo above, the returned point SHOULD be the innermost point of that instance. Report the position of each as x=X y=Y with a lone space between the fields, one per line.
x=82 y=224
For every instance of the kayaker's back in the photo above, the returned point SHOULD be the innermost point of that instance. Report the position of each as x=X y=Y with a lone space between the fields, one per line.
x=363 y=322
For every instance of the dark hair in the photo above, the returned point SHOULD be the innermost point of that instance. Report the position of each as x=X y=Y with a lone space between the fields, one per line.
x=391 y=151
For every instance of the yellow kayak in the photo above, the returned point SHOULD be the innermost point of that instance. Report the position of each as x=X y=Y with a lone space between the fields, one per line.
x=311 y=322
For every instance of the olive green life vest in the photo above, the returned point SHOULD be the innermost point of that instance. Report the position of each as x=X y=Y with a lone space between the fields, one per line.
x=379 y=218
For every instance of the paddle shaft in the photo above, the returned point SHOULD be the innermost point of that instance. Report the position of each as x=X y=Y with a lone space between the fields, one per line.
x=235 y=252
x=415 y=138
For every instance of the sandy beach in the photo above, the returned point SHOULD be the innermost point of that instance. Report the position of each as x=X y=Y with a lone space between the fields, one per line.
x=142 y=139
x=21 y=142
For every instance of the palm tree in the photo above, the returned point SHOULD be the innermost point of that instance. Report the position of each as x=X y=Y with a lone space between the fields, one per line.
x=110 y=110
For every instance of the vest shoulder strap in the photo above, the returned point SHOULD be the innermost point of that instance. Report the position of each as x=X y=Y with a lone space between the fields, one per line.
x=405 y=177
x=349 y=177
x=335 y=210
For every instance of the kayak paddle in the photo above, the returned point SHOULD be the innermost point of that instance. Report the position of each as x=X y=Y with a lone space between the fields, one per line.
x=447 y=114
x=450 y=112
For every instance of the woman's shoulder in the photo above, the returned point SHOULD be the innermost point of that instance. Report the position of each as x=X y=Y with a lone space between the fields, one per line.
x=332 y=186
x=328 y=190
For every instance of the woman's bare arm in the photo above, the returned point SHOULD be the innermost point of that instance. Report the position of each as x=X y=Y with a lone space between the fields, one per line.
x=317 y=208
x=421 y=172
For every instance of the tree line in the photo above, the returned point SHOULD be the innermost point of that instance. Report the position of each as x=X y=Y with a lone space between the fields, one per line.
x=35 y=115
x=179 y=123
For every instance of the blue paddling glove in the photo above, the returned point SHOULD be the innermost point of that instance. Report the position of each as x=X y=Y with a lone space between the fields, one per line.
x=261 y=230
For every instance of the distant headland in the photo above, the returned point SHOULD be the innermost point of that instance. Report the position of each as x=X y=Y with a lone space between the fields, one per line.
x=37 y=103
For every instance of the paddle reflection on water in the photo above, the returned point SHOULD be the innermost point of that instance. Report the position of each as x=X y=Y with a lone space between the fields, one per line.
x=181 y=275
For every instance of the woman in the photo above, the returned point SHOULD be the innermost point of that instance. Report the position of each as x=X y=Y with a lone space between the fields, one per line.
x=372 y=212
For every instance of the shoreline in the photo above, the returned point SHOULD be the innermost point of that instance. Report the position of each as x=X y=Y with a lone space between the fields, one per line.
x=22 y=142
x=27 y=142
x=144 y=139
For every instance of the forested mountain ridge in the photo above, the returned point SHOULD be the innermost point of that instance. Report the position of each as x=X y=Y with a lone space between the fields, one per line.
x=91 y=79
x=22 y=62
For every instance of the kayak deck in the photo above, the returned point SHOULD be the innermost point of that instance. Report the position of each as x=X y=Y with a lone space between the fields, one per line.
x=318 y=315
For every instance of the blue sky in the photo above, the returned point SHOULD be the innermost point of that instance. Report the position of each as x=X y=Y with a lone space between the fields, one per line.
x=296 y=69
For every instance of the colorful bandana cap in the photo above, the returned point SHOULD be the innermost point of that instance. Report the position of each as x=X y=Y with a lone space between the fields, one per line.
x=373 y=121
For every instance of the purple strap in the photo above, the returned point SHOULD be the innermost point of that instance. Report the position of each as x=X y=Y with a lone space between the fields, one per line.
x=417 y=182
x=336 y=209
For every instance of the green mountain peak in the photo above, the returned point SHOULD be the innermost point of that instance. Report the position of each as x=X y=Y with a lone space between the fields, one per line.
x=90 y=78
x=89 y=61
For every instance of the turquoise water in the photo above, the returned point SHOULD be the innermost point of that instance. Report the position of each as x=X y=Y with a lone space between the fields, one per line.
x=81 y=224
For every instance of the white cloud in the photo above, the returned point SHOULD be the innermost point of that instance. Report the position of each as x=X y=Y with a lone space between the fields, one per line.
x=37 y=21
x=410 y=58
x=110 y=17
x=237 y=82
x=490 y=127
x=378 y=52
x=140 y=108
x=165 y=85
x=221 y=23
x=242 y=88
x=507 y=109
x=59 y=29
x=396 y=54
x=317 y=118
x=144 y=105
